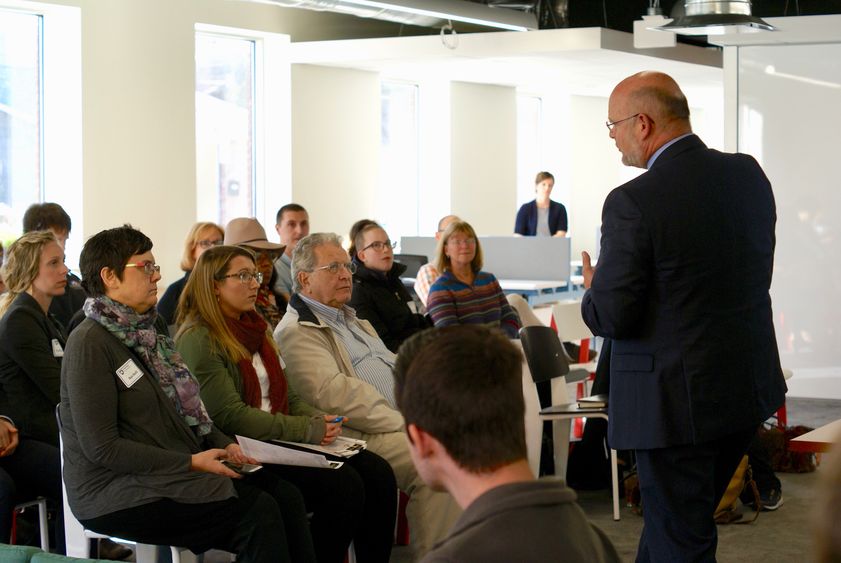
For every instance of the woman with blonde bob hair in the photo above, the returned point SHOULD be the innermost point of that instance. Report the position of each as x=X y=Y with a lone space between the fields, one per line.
x=227 y=344
x=464 y=294
x=202 y=235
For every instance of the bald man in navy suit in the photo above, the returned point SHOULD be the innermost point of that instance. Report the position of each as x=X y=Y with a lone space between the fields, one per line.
x=682 y=288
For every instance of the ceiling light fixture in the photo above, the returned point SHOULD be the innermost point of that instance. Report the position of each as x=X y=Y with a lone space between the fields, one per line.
x=428 y=13
x=455 y=10
x=711 y=17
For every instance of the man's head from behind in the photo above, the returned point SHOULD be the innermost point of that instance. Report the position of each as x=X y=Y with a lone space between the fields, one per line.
x=292 y=224
x=462 y=387
x=48 y=217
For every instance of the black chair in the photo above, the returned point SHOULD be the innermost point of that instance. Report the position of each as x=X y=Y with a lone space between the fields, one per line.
x=547 y=360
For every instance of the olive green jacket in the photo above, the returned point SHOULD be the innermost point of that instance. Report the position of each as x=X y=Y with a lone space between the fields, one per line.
x=222 y=393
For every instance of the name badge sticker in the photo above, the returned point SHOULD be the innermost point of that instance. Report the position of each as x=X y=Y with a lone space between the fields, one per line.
x=282 y=363
x=58 y=352
x=129 y=373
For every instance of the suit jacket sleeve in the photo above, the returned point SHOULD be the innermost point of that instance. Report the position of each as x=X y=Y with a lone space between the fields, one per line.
x=615 y=303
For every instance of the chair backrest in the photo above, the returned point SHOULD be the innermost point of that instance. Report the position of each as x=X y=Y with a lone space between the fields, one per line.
x=570 y=325
x=544 y=353
x=413 y=263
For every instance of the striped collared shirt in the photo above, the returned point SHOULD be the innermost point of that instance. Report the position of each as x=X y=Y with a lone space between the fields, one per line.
x=371 y=360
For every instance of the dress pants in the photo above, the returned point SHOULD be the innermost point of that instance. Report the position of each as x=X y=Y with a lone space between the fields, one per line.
x=259 y=527
x=33 y=470
x=680 y=488
x=356 y=502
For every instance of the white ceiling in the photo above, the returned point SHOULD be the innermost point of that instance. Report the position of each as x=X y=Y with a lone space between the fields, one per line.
x=579 y=61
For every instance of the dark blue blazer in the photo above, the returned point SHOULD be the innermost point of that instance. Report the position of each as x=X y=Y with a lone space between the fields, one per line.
x=526 y=223
x=682 y=283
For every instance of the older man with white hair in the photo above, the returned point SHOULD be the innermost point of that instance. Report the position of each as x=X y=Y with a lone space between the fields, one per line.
x=337 y=363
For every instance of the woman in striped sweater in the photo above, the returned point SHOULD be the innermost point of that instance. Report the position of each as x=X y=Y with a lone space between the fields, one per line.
x=464 y=294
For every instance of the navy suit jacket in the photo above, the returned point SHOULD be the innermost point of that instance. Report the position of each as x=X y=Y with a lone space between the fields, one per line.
x=526 y=222
x=682 y=283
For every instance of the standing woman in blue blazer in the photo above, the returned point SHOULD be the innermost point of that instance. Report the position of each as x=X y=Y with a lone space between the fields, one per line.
x=542 y=217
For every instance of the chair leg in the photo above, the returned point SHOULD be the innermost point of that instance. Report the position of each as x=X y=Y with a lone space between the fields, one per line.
x=614 y=478
x=42 y=521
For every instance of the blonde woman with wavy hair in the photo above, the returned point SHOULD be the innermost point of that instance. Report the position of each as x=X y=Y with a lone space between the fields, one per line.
x=226 y=343
x=201 y=236
x=31 y=348
x=31 y=340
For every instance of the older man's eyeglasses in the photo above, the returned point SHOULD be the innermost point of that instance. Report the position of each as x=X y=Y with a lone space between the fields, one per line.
x=209 y=243
x=245 y=277
x=380 y=245
x=149 y=268
x=334 y=267
x=611 y=124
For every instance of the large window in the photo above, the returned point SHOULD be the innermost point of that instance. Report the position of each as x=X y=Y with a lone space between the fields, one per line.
x=397 y=201
x=529 y=148
x=20 y=118
x=225 y=126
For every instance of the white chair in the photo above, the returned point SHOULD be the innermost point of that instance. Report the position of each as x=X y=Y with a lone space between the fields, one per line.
x=78 y=539
x=547 y=360
x=44 y=529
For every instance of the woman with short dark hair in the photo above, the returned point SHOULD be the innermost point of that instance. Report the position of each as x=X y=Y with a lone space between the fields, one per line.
x=379 y=295
x=142 y=458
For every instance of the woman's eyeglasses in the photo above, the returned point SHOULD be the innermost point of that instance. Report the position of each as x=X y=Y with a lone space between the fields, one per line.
x=462 y=241
x=333 y=267
x=209 y=243
x=246 y=277
x=149 y=268
x=380 y=245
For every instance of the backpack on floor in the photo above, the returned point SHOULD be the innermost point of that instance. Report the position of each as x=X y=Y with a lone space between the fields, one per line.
x=775 y=441
x=727 y=511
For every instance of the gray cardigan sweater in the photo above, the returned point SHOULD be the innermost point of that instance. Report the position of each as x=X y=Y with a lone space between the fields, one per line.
x=125 y=446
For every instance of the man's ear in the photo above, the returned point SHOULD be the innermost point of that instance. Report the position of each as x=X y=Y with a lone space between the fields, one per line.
x=304 y=280
x=424 y=444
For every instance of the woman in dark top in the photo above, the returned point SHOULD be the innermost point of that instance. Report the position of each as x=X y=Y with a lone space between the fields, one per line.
x=379 y=295
x=142 y=458
x=202 y=236
x=226 y=344
x=31 y=340
x=31 y=348
x=542 y=217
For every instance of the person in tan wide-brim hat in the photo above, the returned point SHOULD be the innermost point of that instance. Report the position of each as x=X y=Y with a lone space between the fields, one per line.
x=249 y=233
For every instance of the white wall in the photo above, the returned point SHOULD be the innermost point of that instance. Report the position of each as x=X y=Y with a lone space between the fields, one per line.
x=138 y=109
x=336 y=144
x=484 y=156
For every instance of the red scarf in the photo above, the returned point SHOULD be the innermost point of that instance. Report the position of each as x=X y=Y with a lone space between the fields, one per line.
x=250 y=331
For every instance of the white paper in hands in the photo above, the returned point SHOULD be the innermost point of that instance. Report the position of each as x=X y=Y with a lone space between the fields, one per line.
x=269 y=453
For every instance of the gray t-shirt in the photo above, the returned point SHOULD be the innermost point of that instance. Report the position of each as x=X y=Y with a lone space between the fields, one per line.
x=543 y=222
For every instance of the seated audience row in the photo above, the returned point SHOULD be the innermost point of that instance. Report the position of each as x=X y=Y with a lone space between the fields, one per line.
x=227 y=345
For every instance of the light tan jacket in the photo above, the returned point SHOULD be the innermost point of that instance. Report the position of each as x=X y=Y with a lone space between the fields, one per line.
x=320 y=370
